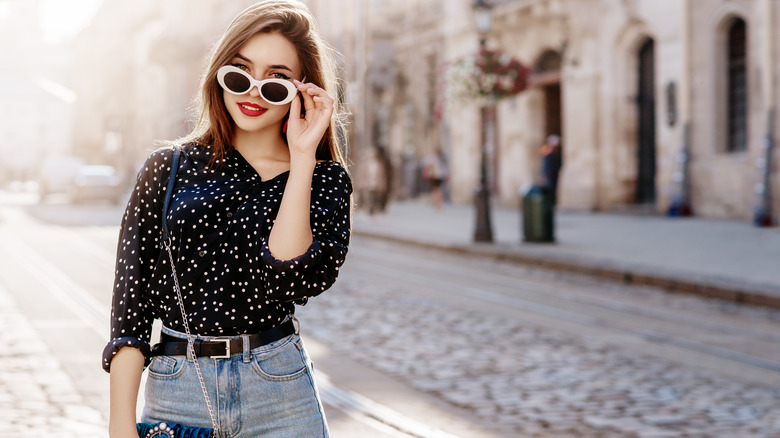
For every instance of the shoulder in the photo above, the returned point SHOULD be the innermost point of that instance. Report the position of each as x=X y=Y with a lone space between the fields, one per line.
x=333 y=179
x=197 y=151
x=159 y=161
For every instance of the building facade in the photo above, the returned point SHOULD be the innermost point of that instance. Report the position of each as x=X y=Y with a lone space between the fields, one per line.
x=632 y=87
x=657 y=101
x=140 y=66
x=36 y=109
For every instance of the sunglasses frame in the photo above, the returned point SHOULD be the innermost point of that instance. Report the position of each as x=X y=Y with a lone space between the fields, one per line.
x=223 y=71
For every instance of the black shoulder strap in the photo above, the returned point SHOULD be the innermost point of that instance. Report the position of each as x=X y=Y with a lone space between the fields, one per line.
x=169 y=191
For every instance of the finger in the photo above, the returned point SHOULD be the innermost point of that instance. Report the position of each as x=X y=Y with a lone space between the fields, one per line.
x=322 y=94
x=308 y=99
x=314 y=90
x=324 y=101
x=295 y=108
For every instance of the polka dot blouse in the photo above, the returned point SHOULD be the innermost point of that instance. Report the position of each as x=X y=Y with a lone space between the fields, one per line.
x=219 y=221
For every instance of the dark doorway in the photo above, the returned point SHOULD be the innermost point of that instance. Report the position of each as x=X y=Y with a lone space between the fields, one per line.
x=548 y=75
x=552 y=107
x=645 y=181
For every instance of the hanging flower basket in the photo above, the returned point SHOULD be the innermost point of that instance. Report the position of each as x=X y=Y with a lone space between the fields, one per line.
x=486 y=77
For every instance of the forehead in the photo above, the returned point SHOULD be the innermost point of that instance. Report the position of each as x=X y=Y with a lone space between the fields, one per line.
x=265 y=49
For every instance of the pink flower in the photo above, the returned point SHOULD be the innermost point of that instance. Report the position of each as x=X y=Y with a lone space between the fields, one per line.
x=486 y=76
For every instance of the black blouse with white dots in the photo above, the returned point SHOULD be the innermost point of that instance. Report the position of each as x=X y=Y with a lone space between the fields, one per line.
x=219 y=221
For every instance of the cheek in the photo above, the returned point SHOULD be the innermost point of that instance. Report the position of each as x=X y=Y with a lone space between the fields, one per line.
x=230 y=104
x=278 y=110
x=227 y=98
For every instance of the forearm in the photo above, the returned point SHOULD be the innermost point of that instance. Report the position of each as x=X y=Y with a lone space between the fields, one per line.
x=126 y=369
x=291 y=234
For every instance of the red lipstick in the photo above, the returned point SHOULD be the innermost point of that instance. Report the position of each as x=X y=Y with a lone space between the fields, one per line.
x=251 y=109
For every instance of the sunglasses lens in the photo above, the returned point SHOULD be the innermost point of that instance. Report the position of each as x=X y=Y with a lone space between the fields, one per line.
x=273 y=92
x=236 y=82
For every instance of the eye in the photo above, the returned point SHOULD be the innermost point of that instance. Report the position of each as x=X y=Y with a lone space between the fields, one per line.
x=241 y=66
x=280 y=75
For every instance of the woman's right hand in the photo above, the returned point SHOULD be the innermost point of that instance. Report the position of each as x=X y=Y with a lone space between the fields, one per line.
x=304 y=133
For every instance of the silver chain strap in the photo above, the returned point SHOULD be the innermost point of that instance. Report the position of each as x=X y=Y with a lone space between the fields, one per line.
x=190 y=342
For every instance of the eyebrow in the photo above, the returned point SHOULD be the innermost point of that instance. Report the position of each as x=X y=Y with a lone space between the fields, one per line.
x=272 y=67
x=244 y=58
x=280 y=67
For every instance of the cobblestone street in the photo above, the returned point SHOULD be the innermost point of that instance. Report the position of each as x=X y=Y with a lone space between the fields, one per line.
x=422 y=343
x=37 y=398
x=537 y=381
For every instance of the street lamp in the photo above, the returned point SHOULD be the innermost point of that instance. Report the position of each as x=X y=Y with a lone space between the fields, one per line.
x=483 y=15
x=483 y=232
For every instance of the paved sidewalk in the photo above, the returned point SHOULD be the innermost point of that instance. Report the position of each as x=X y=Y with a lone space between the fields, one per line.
x=37 y=397
x=726 y=259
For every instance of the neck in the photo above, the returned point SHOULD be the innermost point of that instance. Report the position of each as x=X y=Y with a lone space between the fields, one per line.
x=267 y=144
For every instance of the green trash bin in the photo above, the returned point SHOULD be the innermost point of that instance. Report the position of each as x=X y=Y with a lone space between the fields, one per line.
x=537 y=214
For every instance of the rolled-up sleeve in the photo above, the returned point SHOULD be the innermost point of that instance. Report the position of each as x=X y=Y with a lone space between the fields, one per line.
x=137 y=254
x=316 y=270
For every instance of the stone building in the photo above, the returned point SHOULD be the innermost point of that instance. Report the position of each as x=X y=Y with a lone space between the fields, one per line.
x=36 y=109
x=140 y=64
x=629 y=84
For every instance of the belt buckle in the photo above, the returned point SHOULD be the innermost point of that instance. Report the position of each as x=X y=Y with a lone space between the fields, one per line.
x=227 y=349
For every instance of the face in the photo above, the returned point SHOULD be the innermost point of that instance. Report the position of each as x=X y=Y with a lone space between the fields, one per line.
x=264 y=56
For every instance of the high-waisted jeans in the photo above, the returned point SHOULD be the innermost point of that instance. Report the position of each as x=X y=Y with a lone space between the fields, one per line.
x=265 y=392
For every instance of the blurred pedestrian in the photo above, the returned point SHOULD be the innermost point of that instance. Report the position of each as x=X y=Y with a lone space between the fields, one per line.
x=551 y=165
x=372 y=181
x=435 y=172
x=411 y=175
x=259 y=221
x=387 y=176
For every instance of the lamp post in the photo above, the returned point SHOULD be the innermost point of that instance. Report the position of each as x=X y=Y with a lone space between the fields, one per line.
x=483 y=232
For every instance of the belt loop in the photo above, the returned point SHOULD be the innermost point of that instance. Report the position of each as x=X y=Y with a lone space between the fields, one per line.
x=190 y=358
x=247 y=353
x=297 y=324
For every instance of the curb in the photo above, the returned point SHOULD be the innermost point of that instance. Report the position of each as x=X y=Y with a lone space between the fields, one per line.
x=756 y=295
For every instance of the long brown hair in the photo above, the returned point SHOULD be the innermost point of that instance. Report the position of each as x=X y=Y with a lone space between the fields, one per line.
x=295 y=22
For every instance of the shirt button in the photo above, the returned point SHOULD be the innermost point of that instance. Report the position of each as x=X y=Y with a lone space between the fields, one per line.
x=202 y=253
x=230 y=214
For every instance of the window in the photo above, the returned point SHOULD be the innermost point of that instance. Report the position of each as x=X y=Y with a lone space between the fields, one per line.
x=737 y=91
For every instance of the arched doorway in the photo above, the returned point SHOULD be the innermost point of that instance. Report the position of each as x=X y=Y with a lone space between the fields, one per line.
x=547 y=75
x=547 y=79
x=645 y=181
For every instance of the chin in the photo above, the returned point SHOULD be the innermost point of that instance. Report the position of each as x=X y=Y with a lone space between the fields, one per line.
x=242 y=125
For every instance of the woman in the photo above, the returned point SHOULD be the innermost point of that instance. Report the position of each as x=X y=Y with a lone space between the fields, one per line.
x=435 y=171
x=259 y=221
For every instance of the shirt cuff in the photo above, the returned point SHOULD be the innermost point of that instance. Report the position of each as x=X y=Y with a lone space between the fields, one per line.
x=116 y=344
x=302 y=262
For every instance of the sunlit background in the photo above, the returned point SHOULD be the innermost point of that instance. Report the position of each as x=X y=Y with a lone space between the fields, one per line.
x=663 y=109
x=99 y=83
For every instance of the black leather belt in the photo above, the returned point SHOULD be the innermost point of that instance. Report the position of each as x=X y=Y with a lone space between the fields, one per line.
x=221 y=349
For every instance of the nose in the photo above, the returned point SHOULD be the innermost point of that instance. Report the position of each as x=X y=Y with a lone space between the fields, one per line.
x=254 y=91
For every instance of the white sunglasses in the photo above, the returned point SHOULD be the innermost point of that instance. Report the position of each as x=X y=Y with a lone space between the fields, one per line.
x=236 y=81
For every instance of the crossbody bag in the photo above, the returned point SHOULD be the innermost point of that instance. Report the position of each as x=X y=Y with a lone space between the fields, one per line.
x=175 y=430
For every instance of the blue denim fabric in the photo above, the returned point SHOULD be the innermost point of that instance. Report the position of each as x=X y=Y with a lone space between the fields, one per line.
x=268 y=392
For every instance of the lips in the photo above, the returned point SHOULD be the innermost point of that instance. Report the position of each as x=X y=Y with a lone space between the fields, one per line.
x=251 y=109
